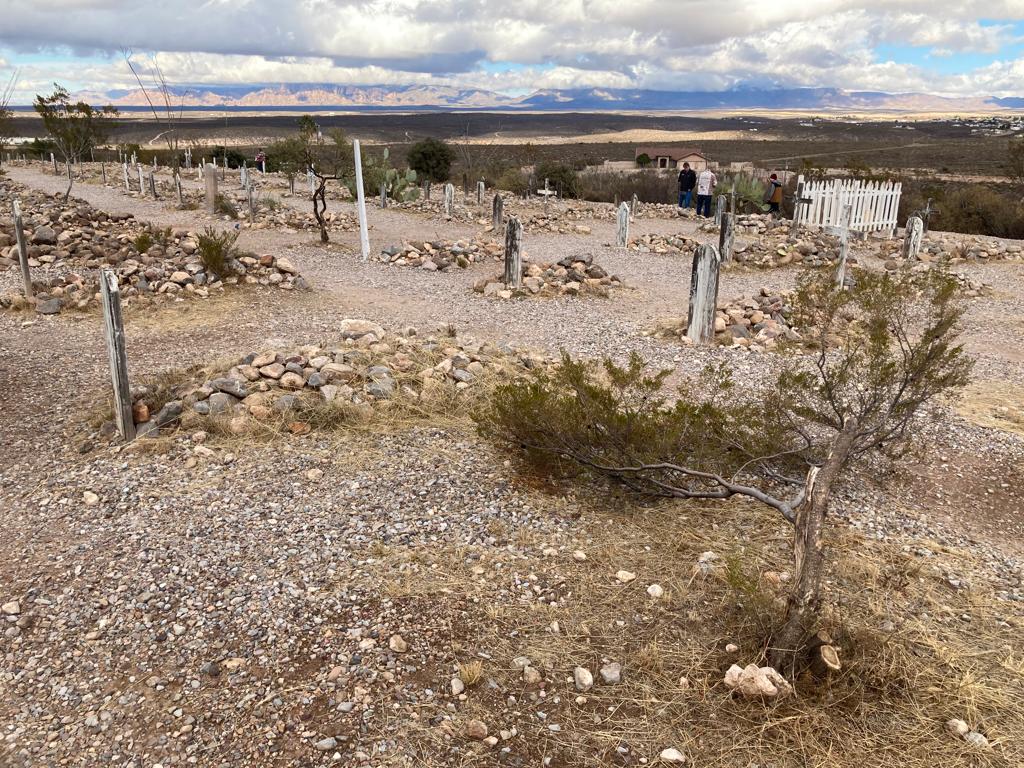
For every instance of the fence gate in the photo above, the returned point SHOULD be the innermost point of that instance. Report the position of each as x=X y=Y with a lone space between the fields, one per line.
x=875 y=204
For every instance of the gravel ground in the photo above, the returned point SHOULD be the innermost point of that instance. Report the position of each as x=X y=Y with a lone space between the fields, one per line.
x=225 y=609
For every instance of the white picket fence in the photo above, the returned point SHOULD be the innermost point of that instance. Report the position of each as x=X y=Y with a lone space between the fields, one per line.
x=875 y=204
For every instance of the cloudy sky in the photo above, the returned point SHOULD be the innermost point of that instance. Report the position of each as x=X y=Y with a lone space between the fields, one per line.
x=955 y=47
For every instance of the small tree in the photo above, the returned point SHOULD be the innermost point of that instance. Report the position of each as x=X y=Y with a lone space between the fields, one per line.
x=643 y=160
x=560 y=176
x=431 y=158
x=75 y=127
x=787 y=446
x=331 y=161
x=6 y=116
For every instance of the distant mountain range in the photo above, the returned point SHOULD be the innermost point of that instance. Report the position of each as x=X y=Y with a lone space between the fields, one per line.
x=321 y=96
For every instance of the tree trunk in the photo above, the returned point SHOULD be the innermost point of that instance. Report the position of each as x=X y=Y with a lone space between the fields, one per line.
x=804 y=601
x=320 y=197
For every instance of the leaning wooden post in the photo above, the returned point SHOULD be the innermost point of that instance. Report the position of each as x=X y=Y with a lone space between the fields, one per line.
x=622 y=226
x=703 y=295
x=449 y=199
x=114 y=325
x=210 y=177
x=634 y=204
x=912 y=238
x=844 y=246
x=513 y=254
x=726 y=237
x=719 y=209
x=497 y=212
x=152 y=185
x=364 y=234
x=19 y=234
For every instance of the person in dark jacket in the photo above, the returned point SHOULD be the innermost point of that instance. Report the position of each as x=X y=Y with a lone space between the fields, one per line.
x=773 y=194
x=687 y=181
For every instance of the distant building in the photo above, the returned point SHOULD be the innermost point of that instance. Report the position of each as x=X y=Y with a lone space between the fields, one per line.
x=673 y=157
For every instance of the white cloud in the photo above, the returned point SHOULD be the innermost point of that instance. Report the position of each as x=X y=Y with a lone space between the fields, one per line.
x=677 y=44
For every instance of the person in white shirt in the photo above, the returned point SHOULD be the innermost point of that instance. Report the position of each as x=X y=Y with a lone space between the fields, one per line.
x=706 y=183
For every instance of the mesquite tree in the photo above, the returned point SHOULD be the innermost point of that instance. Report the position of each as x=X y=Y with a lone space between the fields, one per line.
x=332 y=160
x=162 y=106
x=880 y=355
x=75 y=127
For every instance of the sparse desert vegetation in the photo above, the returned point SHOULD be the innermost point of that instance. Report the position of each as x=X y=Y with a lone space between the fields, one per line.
x=403 y=508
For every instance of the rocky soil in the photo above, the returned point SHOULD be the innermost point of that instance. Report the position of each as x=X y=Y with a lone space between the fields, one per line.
x=394 y=593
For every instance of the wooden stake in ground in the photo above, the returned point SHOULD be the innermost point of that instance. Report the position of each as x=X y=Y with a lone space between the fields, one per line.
x=449 y=199
x=481 y=188
x=513 y=254
x=497 y=212
x=703 y=295
x=364 y=234
x=19 y=234
x=177 y=189
x=103 y=173
x=142 y=181
x=53 y=160
x=243 y=177
x=726 y=237
x=114 y=327
x=210 y=177
x=798 y=203
x=152 y=185
x=383 y=195
x=127 y=180
x=634 y=204
x=426 y=189
x=912 y=238
x=844 y=246
x=719 y=209
x=252 y=206
x=622 y=226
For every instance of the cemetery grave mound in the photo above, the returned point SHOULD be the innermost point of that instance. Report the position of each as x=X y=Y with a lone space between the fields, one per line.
x=661 y=244
x=571 y=276
x=367 y=373
x=955 y=248
x=756 y=322
x=68 y=245
x=441 y=255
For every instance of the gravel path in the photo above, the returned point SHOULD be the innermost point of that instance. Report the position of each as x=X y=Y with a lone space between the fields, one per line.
x=217 y=608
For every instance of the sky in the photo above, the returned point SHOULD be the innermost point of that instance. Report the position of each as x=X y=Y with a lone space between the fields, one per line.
x=947 y=47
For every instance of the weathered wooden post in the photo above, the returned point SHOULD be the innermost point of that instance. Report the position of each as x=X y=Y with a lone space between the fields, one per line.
x=177 y=189
x=252 y=206
x=114 y=325
x=703 y=295
x=449 y=199
x=726 y=237
x=210 y=177
x=634 y=205
x=383 y=195
x=127 y=180
x=19 y=235
x=844 y=246
x=513 y=254
x=103 y=172
x=243 y=177
x=912 y=238
x=465 y=186
x=481 y=188
x=497 y=212
x=798 y=202
x=622 y=226
x=312 y=182
x=152 y=185
x=142 y=181
x=547 y=194
x=426 y=189
x=719 y=209
x=53 y=160
x=364 y=233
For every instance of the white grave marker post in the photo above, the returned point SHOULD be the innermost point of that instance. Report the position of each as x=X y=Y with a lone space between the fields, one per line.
x=703 y=295
x=912 y=238
x=622 y=226
x=513 y=254
x=364 y=235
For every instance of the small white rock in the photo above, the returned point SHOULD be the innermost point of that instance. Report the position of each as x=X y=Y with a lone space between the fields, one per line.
x=612 y=673
x=457 y=686
x=656 y=591
x=90 y=499
x=625 y=576
x=957 y=727
x=976 y=739
x=672 y=755
x=583 y=679
x=579 y=555
x=397 y=644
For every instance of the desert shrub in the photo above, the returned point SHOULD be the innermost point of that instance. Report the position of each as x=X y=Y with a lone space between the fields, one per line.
x=648 y=186
x=748 y=191
x=217 y=251
x=822 y=415
x=143 y=241
x=973 y=209
x=269 y=203
x=224 y=206
x=431 y=158
x=511 y=180
x=560 y=176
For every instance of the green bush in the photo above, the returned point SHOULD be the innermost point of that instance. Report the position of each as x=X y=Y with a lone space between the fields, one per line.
x=648 y=186
x=561 y=177
x=217 y=251
x=431 y=158
x=225 y=207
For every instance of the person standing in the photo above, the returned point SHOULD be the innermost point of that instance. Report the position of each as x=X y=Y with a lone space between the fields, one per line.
x=706 y=183
x=773 y=195
x=687 y=181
